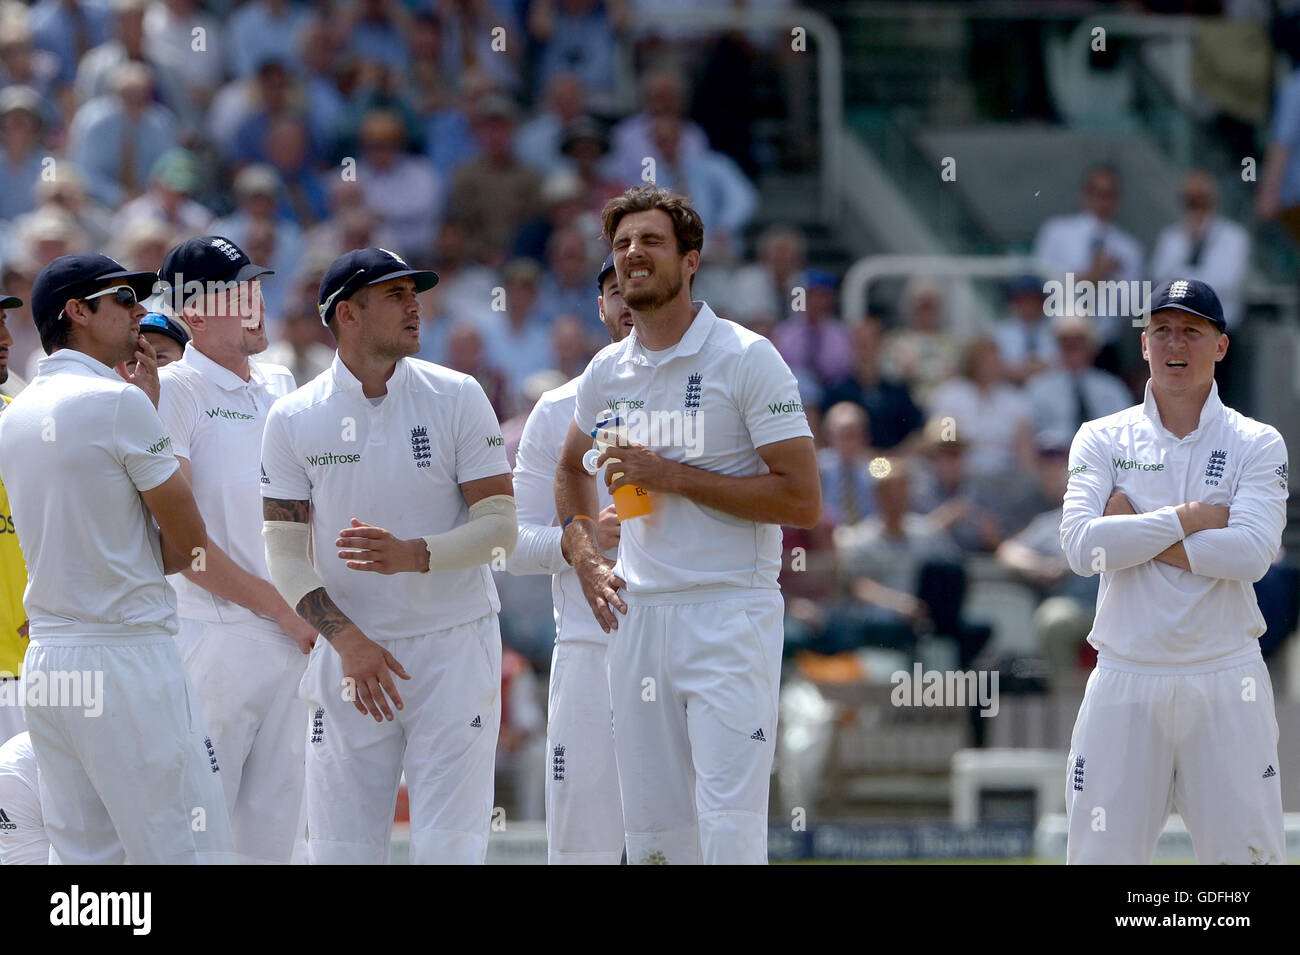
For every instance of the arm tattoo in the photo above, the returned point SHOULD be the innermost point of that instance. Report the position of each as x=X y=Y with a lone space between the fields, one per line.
x=322 y=613
x=274 y=509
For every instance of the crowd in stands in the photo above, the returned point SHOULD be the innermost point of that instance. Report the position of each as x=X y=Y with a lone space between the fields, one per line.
x=481 y=138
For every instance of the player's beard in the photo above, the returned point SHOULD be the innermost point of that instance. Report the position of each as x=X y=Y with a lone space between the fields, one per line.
x=653 y=296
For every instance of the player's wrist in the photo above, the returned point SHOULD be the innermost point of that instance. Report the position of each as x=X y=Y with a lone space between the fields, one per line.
x=418 y=554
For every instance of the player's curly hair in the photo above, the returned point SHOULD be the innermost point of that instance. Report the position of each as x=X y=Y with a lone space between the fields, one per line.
x=688 y=227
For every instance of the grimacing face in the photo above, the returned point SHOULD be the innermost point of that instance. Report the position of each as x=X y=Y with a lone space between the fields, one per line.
x=651 y=271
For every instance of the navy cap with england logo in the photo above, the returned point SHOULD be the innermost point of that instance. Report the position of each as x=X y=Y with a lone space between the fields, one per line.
x=209 y=258
x=160 y=324
x=76 y=276
x=604 y=271
x=350 y=273
x=1191 y=296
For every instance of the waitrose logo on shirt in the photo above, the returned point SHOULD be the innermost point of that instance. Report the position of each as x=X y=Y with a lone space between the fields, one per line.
x=785 y=407
x=160 y=446
x=329 y=457
x=223 y=413
x=1122 y=465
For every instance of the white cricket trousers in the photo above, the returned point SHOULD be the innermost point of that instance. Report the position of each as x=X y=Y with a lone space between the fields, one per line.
x=445 y=739
x=694 y=687
x=584 y=817
x=11 y=710
x=247 y=680
x=1199 y=739
x=137 y=782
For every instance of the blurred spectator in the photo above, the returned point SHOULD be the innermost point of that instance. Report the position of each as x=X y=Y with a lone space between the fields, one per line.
x=69 y=29
x=814 y=339
x=494 y=194
x=585 y=145
x=999 y=431
x=1064 y=617
x=1064 y=397
x=1204 y=245
x=181 y=38
x=299 y=347
x=349 y=225
x=562 y=204
x=144 y=245
x=402 y=190
x=465 y=287
x=979 y=512
x=117 y=139
x=174 y=178
x=319 y=52
x=521 y=745
x=259 y=29
x=663 y=94
x=566 y=284
x=377 y=31
x=472 y=40
x=891 y=412
x=572 y=347
x=1278 y=194
x=67 y=191
x=258 y=191
x=577 y=36
x=923 y=352
x=273 y=94
x=902 y=574
x=762 y=289
x=435 y=326
x=1091 y=246
x=449 y=139
x=288 y=151
x=427 y=85
x=1025 y=336
x=21 y=63
x=465 y=355
x=539 y=140
x=21 y=123
x=518 y=342
x=126 y=44
x=722 y=194
x=848 y=487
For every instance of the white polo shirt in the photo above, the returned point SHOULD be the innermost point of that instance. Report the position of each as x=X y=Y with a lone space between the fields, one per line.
x=538 y=550
x=709 y=401
x=1154 y=613
x=77 y=447
x=215 y=419
x=396 y=465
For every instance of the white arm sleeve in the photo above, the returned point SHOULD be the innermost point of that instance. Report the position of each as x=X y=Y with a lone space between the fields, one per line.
x=488 y=536
x=286 y=559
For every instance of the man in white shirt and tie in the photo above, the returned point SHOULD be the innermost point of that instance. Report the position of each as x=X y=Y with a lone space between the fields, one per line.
x=1093 y=248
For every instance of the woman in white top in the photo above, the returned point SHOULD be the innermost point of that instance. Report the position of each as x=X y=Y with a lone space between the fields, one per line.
x=991 y=413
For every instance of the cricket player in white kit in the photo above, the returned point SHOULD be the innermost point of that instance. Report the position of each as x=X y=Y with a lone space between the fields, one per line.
x=717 y=436
x=86 y=460
x=400 y=468
x=22 y=829
x=243 y=646
x=1179 y=503
x=584 y=818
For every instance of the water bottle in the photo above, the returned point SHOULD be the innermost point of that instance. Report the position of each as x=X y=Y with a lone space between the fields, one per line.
x=629 y=501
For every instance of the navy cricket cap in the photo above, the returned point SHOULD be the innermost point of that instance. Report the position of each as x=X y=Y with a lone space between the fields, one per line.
x=76 y=276
x=604 y=270
x=162 y=325
x=350 y=273
x=1192 y=296
x=209 y=258
x=9 y=301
